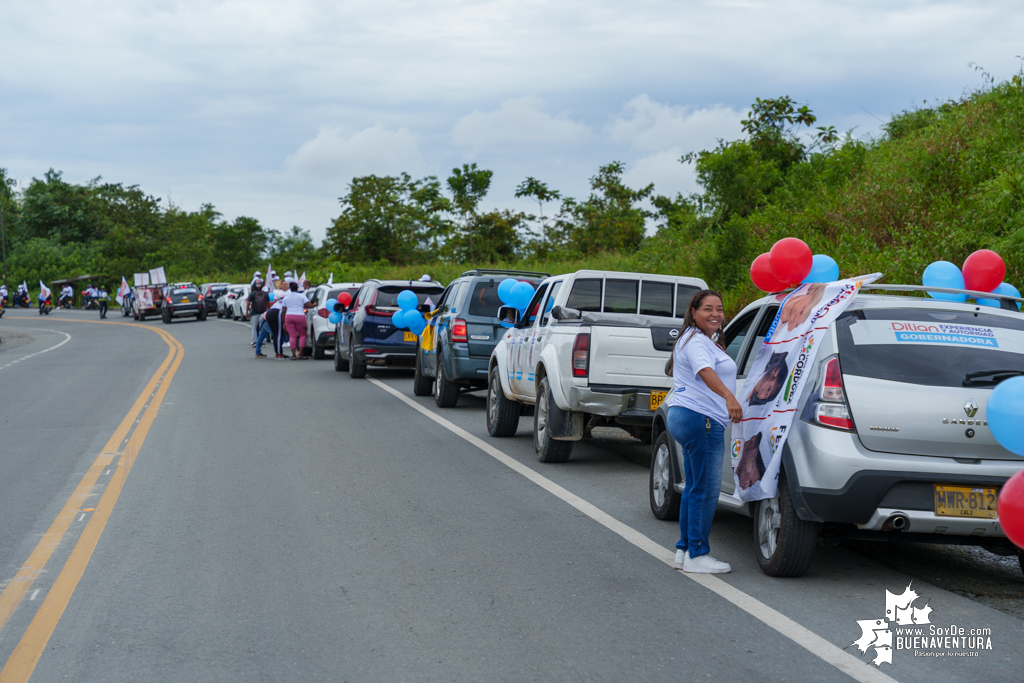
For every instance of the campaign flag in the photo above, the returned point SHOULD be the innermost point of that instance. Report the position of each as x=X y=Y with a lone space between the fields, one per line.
x=122 y=291
x=268 y=285
x=157 y=276
x=44 y=291
x=141 y=279
x=330 y=280
x=776 y=381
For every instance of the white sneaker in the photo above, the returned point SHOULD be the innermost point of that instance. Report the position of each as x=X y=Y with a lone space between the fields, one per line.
x=705 y=564
x=681 y=557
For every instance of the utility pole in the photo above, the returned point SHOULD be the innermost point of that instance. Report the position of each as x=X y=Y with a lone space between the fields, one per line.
x=3 y=241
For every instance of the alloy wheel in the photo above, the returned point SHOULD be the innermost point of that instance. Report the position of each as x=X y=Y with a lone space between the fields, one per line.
x=769 y=521
x=662 y=475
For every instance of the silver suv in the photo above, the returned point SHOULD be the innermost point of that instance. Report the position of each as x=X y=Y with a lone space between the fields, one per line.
x=890 y=442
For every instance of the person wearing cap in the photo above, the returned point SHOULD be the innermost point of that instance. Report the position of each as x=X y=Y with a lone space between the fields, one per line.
x=255 y=306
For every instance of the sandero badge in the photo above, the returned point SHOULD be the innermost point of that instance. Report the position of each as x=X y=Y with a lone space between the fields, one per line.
x=971 y=409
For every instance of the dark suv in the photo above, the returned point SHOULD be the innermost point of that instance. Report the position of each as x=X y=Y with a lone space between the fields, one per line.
x=182 y=299
x=212 y=291
x=365 y=335
x=456 y=347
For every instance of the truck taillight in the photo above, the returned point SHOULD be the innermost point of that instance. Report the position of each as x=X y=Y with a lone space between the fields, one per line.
x=460 y=333
x=832 y=410
x=581 y=355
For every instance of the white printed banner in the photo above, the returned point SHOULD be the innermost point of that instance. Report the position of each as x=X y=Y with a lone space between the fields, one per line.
x=157 y=276
x=777 y=378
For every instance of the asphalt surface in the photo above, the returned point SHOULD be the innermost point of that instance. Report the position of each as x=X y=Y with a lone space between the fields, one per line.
x=284 y=522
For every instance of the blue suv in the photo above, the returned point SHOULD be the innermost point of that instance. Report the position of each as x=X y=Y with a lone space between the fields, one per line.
x=365 y=335
x=456 y=347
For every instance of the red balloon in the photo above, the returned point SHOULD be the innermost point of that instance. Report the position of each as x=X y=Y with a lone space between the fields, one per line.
x=344 y=298
x=983 y=270
x=791 y=260
x=1010 y=509
x=761 y=274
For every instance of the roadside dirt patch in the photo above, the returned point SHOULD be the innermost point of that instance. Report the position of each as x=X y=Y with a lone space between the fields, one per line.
x=9 y=339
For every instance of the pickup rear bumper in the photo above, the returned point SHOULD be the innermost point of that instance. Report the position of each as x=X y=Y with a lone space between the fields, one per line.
x=629 y=404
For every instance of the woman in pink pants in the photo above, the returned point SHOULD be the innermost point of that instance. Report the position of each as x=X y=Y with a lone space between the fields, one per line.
x=294 y=308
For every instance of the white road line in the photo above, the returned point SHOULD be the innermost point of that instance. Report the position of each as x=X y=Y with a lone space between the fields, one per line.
x=34 y=594
x=82 y=517
x=812 y=642
x=67 y=338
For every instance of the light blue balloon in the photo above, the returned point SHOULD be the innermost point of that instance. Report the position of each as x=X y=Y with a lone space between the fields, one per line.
x=522 y=292
x=1003 y=412
x=415 y=321
x=271 y=295
x=1005 y=289
x=823 y=269
x=398 y=319
x=407 y=300
x=944 y=274
x=334 y=318
x=505 y=290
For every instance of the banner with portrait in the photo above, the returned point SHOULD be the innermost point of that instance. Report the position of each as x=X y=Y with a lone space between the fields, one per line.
x=776 y=381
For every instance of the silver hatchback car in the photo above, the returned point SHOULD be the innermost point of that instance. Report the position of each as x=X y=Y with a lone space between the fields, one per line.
x=891 y=441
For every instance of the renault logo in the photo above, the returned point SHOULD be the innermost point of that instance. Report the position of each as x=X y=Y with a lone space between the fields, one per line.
x=971 y=408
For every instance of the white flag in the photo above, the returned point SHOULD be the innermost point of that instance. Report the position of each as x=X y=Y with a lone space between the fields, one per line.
x=122 y=292
x=44 y=290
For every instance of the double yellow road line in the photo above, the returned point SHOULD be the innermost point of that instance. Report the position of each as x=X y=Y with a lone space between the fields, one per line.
x=124 y=444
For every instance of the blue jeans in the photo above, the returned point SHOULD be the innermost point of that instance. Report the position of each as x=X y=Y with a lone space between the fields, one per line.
x=264 y=335
x=703 y=442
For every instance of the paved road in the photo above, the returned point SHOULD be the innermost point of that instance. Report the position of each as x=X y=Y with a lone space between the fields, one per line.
x=278 y=521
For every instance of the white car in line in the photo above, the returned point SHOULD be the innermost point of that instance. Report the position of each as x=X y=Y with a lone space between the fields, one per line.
x=319 y=330
x=236 y=304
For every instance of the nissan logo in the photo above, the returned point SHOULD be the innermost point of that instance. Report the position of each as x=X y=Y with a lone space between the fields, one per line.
x=673 y=333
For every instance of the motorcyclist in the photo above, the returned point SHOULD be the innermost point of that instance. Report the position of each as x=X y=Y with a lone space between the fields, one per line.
x=89 y=297
x=3 y=296
x=44 y=301
x=66 y=295
x=21 y=297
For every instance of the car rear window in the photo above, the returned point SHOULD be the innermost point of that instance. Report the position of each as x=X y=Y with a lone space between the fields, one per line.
x=930 y=348
x=484 y=300
x=333 y=294
x=620 y=296
x=217 y=291
x=656 y=298
x=387 y=296
x=683 y=295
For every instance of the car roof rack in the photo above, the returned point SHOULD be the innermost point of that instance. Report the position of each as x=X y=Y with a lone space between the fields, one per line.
x=500 y=271
x=974 y=294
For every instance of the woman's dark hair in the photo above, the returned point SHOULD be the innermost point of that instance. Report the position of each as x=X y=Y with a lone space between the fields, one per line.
x=776 y=362
x=690 y=324
x=294 y=286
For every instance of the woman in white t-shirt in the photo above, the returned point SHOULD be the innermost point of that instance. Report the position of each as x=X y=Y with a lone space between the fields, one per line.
x=701 y=406
x=293 y=306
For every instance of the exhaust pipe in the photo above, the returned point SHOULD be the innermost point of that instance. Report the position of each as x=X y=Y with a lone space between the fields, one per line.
x=896 y=522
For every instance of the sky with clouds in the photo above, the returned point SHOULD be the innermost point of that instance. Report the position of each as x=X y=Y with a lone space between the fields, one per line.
x=268 y=109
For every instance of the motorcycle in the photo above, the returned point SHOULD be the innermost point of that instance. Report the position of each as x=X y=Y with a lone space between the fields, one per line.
x=89 y=304
x=44 y=306
x=22 y=300
x=64 y=302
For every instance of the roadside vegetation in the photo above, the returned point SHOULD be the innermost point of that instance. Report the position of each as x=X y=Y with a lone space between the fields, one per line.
x=939 y=183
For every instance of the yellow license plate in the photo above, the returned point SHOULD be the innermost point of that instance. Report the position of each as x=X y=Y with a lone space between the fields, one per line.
x=184 y=301
x=965 y=501
x=410 y=336
x=657 y=398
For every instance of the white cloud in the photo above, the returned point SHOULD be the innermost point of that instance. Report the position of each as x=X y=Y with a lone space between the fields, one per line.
x=649 y=126
x=664 y=169
x=337 y=153
x=518 y=121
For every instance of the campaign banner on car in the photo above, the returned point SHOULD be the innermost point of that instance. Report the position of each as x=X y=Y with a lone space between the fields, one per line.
x=777 y=379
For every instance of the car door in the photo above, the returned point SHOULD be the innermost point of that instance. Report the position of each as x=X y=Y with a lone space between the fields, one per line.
x=527 y=329
x=743 y=346
x=431 y=342
x=345 y=327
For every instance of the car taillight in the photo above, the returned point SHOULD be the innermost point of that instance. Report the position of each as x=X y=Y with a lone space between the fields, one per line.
x=200 y=297
x=831 y=409
x=322 y=312
x=372 y=310
x=460 y=333
x=581 y=355
x=168 y=299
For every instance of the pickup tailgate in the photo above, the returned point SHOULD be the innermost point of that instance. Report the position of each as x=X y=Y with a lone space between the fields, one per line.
x=627 y=356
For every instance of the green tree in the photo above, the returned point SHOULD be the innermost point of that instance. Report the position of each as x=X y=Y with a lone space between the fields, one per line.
x=611 y=219
x=61 y=211
x=244 y=243
x=293 y=249
x=468 y=186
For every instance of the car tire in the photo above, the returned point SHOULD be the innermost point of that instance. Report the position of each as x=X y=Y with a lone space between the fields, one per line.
x=502 y=413
x=219 y=314
x=356 y=370
x=664 y=498
x=318 y=352
x=421 y=384
x=548 y=450
x=340 y=364
x=201 y=315
x=446 y=394
x=140 y=317
x=784 y=543
x=166 y=319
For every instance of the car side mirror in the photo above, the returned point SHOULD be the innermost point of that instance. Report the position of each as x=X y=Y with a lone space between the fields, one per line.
x=509 y=314
x=424 y=308
x=563 y=313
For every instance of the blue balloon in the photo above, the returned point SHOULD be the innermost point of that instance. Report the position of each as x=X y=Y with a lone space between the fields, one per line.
x=823 y=269
x=407 y=300
x=521 y=294
x=1005 y=406
x=415 y=321
x=334 y=318
x=398 y=319
x=505 y=290
x=944 y=274
x=271 y=295
x=1006 y=289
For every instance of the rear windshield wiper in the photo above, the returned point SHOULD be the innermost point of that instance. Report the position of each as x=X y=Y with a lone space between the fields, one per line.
x=994 y=376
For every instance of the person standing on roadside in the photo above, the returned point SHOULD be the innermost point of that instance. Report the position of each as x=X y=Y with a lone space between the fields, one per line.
x=275 y=320
x=294 y=306
x=104 y=298
x=255 y=306
x=702 y=404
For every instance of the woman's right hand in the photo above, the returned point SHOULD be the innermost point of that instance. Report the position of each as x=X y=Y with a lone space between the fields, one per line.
x=735 y=411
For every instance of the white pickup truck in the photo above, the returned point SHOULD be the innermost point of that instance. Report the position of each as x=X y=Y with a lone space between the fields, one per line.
x=590 y=350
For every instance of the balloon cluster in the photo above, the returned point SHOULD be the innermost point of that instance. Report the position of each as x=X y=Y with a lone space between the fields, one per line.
x=344 y=299
x=983 y=271
x=408 y=317
x=1003 y=411
x=790 y=263
x=515 y=293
